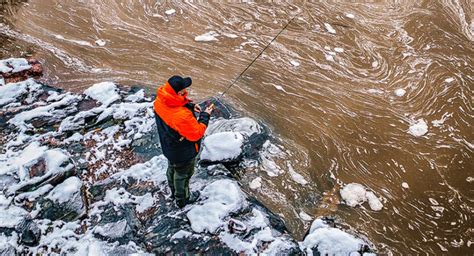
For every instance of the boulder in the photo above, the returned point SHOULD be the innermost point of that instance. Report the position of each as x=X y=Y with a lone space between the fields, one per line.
x=65 y=202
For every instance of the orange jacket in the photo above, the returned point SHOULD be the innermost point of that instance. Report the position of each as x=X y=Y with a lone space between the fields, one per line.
x=170 y=107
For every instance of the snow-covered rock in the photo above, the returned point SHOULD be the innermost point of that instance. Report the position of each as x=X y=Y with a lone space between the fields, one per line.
x=220 y=198
x=223 y=146
x=327 y=240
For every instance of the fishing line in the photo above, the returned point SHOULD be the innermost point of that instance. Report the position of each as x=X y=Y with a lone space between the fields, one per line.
x=253 y=61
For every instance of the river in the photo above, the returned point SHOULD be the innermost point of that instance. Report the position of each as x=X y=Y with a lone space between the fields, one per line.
x=340 y=88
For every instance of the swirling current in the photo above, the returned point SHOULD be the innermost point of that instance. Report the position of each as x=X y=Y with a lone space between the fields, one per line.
x=378 y=94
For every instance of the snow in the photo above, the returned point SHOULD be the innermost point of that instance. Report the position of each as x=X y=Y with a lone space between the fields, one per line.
x=400 y=92
x=222 y=146
x=10 y=92
x=151 y=171
x=330 y=241
x=100 y=42
x=181 y=234
x=20 y=119
x=104 y=92
x=22 y=160
x=338 y=49
x=14 y=65
x=418 y=128
x=170 y=11
x=375 y=64
x=207 y=37
x=113 y=230
x=255 y=183
x=294 y=63
x=66 y=191
x=136 y=97
x=329 y=28
x=11 y=216
x=146 y=202
x=355 y=194
x=405 y=185
x=220 y=198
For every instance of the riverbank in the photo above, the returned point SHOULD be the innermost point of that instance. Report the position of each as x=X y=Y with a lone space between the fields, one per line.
x=84 y=173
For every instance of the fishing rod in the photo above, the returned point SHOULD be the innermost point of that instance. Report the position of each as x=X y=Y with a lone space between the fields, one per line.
x=253 y=61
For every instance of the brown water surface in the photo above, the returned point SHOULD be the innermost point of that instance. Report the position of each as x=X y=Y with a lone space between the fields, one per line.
x=335 y=110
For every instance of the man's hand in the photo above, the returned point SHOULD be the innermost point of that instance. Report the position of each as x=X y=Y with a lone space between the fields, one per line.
x=197 y=108
x=209 y=109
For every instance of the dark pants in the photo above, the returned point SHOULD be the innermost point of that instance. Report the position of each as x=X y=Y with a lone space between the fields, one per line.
x=178 y=179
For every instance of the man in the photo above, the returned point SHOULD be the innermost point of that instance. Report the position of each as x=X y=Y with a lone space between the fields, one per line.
x=180 y=135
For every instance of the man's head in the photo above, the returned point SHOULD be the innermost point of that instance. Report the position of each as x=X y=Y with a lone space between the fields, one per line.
x=178 y=83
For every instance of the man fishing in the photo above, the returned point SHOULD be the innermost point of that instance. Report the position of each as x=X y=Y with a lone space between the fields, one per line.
x=180 y=135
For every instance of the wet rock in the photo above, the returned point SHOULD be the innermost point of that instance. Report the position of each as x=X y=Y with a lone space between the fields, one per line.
x=29 y=232
x=16 y=70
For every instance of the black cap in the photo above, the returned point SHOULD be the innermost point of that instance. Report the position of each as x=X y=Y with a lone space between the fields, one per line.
x=178 y=83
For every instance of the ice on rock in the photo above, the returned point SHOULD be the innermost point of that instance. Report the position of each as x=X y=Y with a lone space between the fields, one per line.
x=207 y=37
x=104 y=92
x=330 y=241
x=222 y=146
x=14 y=65
x=329 y=28
x=2 y=82
x=400 y=92
x=419 y=128
x=220 y=198
x=355 y=194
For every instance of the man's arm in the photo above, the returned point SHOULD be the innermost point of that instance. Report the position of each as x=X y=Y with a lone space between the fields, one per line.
x=190 y=128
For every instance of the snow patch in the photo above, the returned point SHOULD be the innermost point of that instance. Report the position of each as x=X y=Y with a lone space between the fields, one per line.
x=14 y=65
x=405 y=185
x=104 y=92
x=222 y=146
x=100 y=42
x=330 y=241
x=220 y=198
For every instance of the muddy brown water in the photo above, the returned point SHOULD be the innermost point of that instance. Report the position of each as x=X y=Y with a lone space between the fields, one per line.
x=336 y=111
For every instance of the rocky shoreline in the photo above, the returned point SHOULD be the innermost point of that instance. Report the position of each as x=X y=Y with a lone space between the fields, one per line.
x=84 y=174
